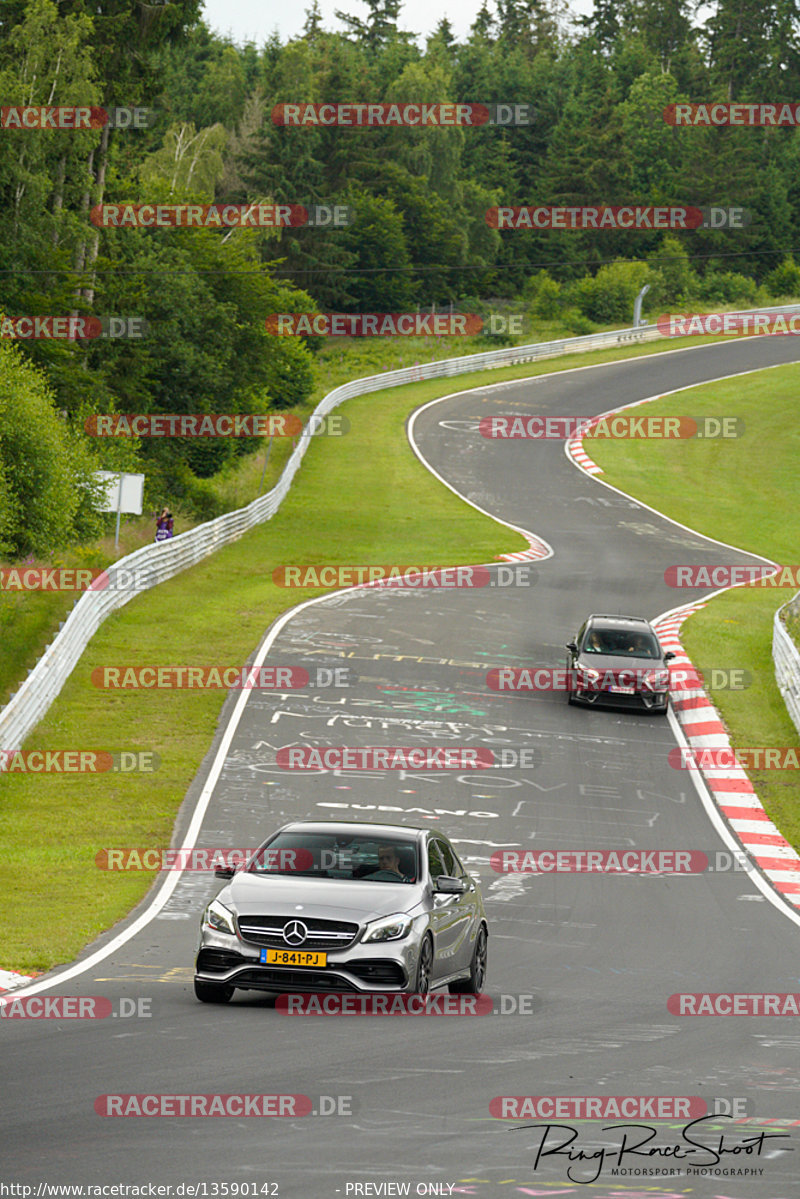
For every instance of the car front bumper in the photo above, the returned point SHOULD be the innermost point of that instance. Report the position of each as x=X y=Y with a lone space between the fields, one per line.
x=649 y=701
x=375 y=967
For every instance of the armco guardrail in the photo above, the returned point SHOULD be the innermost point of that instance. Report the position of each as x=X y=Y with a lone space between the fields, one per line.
x=154 y=564
x=787 y=663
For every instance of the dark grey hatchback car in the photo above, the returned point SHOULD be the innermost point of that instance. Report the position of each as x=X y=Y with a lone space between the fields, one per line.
x=343 y=906
x=618 y=660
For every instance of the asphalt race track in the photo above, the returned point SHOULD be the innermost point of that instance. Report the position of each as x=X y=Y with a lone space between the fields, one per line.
x=590 y=959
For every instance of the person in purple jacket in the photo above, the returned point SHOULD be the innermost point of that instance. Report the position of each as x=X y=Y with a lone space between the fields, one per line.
x=164 y=525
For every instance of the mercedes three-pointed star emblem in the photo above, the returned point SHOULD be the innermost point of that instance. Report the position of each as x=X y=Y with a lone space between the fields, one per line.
x=295 y=932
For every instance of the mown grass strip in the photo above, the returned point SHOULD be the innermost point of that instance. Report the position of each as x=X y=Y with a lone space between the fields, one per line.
x=357 y=499
x=29 y=620
x=743 y=491
x=361 y=498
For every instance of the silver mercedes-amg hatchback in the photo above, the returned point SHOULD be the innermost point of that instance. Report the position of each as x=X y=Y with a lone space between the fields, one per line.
x=324 y=906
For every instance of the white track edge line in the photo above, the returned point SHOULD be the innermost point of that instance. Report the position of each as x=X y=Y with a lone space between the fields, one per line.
x=169 y=884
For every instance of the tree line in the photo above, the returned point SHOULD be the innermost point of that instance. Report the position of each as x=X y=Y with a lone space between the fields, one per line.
x=419 y=235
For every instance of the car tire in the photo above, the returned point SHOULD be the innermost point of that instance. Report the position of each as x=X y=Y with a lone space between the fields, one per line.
x=477 y=972
x=212 y=992
x=422 y=981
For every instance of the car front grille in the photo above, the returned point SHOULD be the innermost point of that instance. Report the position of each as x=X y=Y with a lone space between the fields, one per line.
x=614 y=697
x=291 y=980
x=322 y=934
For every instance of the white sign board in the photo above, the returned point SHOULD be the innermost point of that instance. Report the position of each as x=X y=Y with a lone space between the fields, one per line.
x=123 y=493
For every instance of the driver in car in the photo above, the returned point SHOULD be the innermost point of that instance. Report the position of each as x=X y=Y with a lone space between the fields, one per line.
x=388 y=865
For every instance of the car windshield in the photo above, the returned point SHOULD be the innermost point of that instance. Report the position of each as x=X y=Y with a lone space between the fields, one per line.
x=338 y=856
x=622 y=643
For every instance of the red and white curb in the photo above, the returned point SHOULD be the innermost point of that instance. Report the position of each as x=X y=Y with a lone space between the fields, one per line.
x=575 y=448
x=579 y=456
x=9 y=981
x=730 y=788
x=538 y=549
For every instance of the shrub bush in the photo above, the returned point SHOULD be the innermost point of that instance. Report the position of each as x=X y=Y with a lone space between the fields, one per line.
x=544 y=296
x=609 y=295
x=727 y=287
x=678 y=282
x=784 y=280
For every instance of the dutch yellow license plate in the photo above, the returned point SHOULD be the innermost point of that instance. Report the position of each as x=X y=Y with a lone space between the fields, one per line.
x=293 y=957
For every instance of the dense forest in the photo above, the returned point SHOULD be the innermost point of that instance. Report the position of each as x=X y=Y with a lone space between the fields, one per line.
x=418 y=236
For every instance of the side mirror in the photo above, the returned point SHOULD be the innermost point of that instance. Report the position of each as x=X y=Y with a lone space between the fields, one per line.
x=447 y=885
x=668 y=656
x=573 y=646
x=224 y=872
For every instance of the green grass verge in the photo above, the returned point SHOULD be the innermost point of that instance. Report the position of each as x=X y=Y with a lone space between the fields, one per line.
x=745 y=492
x=52 y=826
x=29 y=620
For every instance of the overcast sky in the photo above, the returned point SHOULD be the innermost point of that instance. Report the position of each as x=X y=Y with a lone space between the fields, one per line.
x=254 y=20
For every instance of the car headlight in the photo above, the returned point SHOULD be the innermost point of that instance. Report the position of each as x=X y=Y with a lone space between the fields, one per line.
x=219 y=918
x=390 y=928
x=588 y=674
